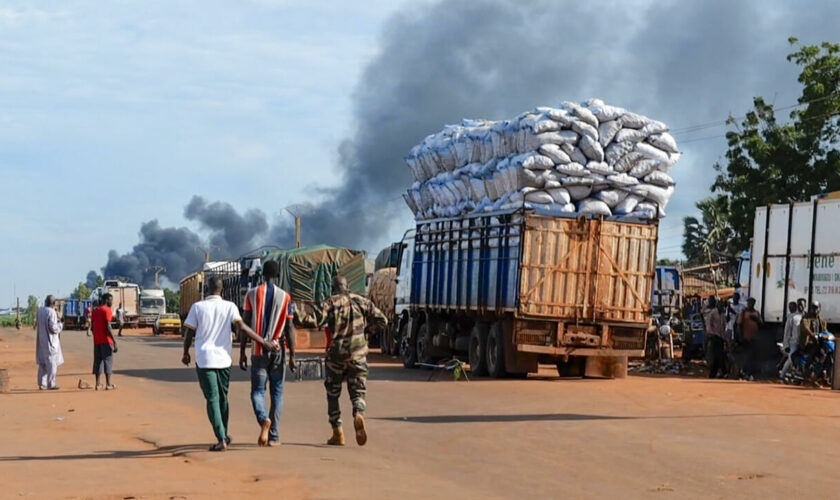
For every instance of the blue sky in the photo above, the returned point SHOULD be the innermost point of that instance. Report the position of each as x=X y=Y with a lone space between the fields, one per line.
x=113 y=113
x=116 y=113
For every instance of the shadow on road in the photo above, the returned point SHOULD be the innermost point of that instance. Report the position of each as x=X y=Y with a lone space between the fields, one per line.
x=468 y=419
x=161 y=452
x=569 y=417
x=182 y=374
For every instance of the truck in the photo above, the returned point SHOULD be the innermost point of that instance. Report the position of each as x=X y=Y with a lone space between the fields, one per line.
x=152 y=305
x=126 y=295
x=74 y=314
x=794 y=254
x=515 y=289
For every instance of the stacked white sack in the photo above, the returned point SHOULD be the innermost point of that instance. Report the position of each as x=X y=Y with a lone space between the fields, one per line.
x=587 y=158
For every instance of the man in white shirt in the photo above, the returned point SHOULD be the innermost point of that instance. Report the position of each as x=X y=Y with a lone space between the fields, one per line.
x=48 y=346
x=211 y=321
x=790 y=342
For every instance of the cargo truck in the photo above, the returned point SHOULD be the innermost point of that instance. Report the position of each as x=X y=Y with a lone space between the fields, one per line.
x=512 y=290
x=794 y=254
x=152 y=305
x=74 y=314
x=126 y=295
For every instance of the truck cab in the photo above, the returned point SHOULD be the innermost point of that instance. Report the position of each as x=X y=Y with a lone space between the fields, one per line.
x=152 y=305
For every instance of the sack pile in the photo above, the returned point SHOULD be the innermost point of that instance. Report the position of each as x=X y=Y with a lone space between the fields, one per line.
x=587 y=158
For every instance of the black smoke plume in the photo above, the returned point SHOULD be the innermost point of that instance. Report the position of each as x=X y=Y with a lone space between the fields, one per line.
x=684 y=63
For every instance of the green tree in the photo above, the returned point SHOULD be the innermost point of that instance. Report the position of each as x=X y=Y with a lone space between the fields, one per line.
x=31 y=309
x=173 y=300
x=81 y=292
x=772 y=162
x=712 y=236
x=99 y=281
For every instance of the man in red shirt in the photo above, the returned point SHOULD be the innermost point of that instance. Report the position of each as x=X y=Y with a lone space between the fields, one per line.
x=104 y=345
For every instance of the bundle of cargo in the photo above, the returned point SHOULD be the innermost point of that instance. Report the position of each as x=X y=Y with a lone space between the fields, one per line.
x=587 y=158
x=307 y=273
x=383 y=286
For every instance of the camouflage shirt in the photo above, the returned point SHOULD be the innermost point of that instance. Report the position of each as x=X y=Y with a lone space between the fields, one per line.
x=346 y=316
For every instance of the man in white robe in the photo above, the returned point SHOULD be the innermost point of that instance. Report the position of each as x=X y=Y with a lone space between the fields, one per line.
x=47 y=345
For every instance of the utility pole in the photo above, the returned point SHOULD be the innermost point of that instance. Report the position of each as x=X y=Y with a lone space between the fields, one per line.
x=157 y=270
x=297 y=211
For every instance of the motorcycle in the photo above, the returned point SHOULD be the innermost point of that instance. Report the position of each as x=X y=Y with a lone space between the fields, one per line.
x=815 y=363
x=660 y=338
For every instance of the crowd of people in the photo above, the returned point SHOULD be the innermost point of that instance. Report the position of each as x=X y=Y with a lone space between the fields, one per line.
x=732 y=328
x=268 y=324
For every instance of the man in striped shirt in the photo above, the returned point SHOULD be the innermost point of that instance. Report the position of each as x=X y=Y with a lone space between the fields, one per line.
x=270 y=312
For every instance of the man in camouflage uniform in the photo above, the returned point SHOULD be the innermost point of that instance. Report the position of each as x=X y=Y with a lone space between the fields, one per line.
x=346 y=315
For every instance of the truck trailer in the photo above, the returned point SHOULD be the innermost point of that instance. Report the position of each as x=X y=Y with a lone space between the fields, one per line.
x=515 y=289
x=794 y=254
x=126 y=295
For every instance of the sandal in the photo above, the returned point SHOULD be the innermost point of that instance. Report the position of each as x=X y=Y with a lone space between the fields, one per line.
x=99 y=387
x=110 y=387
x=220 y=446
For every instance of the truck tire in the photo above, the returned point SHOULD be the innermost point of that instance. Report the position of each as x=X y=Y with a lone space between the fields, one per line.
x=385 y=341
x=408 y=351
x=423 y=346
x=496 y=351
x=477 y=351
x=574 y=367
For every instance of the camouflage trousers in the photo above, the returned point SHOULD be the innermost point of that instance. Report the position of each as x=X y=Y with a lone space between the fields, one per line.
x=355 y=371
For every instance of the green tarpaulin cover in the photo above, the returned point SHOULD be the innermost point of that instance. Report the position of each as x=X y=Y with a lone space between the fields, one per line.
x=307 y=273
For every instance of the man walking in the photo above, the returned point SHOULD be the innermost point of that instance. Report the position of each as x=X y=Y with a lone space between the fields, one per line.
x=211 y=322
x=790 y=341
x=714 y=332
x=120 y=319
x=346 y=315
x=104 y=345
x=269 y=311
x=48 y=353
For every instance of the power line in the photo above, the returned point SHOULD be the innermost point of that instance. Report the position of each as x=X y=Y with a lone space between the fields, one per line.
x=718 y=123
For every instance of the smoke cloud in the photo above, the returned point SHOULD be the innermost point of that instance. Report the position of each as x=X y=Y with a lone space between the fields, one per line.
x=681 y=62
x=684 y=63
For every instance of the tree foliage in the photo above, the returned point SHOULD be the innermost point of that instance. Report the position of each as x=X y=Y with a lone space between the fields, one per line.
x=173 y=300
x=711 y=238
x=772 y=162
x=82 y=292
x=31 y=309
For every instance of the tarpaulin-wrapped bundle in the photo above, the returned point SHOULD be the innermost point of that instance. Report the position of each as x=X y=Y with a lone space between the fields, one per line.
x=307 y=273
x=383 y=288
x=574 y=158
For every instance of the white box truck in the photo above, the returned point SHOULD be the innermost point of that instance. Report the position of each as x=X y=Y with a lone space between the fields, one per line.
x=795 y=254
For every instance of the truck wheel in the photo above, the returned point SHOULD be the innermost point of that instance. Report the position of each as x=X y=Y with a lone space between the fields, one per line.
x=496 y=351
x=408 y=351
x=478 y=350
x=424 y=344
x=574 y=367
x=386 y=341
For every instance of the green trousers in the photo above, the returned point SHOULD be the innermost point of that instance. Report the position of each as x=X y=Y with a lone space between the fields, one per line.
x=214 y=384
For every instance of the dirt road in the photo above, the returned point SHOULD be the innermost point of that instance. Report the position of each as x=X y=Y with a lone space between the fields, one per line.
x=548 y=438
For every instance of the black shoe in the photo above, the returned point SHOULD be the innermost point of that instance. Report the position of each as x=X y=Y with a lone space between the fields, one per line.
x=227 y=440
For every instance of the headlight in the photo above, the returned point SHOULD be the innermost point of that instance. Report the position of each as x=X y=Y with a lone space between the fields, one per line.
x=665 y=330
